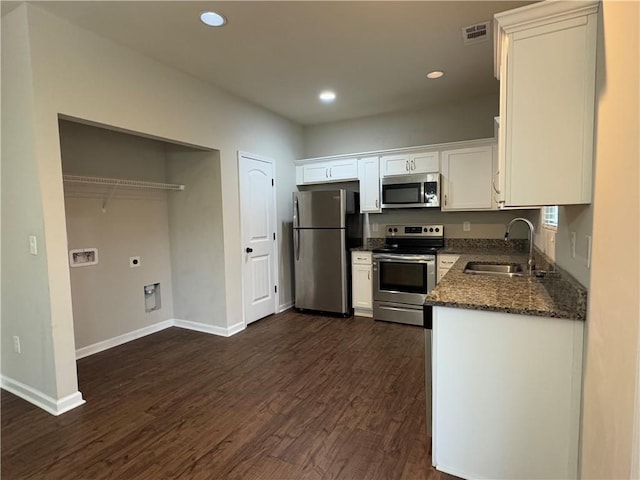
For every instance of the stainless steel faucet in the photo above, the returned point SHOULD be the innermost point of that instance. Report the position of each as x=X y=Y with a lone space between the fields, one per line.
x=530 y=263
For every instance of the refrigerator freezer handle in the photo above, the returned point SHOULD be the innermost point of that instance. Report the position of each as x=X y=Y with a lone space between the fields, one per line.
x=296 y=230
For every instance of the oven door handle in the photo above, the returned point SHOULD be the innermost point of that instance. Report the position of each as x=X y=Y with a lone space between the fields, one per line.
x=403 y=259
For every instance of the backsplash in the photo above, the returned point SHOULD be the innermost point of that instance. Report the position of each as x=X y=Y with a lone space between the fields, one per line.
x=481 y=224
x=489 y=244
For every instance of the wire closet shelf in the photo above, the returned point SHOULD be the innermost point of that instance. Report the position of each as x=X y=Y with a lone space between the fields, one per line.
x=116 y=182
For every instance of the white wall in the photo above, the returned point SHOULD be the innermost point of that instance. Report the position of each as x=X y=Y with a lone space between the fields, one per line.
x=467 y=119
x=81 y=75
x=26 y=306
x=578 y=219
x=483 y=224
x=108 y=298
x=196 y=236
x=611 y=398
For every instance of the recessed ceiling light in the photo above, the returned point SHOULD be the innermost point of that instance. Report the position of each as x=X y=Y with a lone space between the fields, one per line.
x=435 y=74
x=213 y=19
x=327 y=96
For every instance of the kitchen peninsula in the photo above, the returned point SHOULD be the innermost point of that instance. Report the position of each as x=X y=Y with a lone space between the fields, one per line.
x=507 y=366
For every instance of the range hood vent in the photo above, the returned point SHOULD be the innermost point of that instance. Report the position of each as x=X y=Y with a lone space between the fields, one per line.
x=476 y=33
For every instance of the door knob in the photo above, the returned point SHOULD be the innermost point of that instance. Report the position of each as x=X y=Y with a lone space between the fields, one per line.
x=248 y=250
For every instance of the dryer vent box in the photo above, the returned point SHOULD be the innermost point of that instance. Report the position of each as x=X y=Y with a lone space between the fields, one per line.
x=83 y=257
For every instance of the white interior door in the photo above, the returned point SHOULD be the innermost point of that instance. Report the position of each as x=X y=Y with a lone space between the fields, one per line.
x=258 y=236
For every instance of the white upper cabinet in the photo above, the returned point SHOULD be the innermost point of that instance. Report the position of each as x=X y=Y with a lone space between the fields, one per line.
x=369 y=175
x=467 y=174
x=325 y=172
x=409 y=163
x=545 y=57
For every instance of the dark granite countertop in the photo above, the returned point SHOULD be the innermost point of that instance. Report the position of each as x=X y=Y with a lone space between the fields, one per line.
x=556 y=295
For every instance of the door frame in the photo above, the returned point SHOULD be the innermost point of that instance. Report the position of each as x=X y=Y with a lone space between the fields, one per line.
x=276 y=250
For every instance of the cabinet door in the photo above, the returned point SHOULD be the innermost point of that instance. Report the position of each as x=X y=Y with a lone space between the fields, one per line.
x=467 y=176
x=369 y=173
x=315 y=173
x=550 y=117
x=490 y=381
x=395 y=165
x=361 y=285
x=340 y=170
x=424 y=162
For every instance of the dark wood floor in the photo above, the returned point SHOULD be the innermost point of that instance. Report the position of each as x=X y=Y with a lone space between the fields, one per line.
x=293 y=396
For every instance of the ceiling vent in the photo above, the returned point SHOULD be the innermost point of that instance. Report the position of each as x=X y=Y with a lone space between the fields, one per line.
x=476 y=33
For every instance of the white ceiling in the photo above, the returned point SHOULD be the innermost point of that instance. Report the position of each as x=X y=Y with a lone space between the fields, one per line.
x=280 y=55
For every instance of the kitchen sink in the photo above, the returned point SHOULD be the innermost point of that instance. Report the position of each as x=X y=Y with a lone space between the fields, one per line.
x=501 y=269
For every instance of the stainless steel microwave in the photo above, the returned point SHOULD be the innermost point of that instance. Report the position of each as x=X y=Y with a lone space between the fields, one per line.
x=411 y=191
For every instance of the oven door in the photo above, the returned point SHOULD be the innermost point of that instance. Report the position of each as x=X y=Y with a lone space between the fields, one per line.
x=400 y=278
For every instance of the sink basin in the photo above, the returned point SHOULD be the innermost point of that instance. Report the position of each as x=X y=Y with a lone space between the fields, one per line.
x=501 y=269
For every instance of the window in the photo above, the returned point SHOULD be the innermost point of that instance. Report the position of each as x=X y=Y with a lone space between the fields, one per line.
x=550 y=217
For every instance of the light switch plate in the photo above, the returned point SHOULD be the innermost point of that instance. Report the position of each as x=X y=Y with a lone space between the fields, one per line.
x=33 y=245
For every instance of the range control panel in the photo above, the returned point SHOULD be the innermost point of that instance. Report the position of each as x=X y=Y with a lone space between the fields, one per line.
x=415 y=231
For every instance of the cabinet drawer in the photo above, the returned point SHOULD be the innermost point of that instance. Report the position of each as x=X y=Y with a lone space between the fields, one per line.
x=361 y=258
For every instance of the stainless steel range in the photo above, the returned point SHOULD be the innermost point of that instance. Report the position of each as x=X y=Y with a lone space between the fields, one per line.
x=404 y=272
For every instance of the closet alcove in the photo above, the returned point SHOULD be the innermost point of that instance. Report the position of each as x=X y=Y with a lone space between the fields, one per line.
x=152 y=210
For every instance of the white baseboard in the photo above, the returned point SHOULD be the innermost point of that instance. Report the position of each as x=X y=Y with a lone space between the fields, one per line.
x=212 y=329
x=142 y=332
x=120 y=339
x=39 y=399
x=284 y=306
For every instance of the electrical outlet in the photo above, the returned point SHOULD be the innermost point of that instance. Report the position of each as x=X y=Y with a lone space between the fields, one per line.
x=466 y=226
x=374 y=227
x=16 y=344
x=134 y=262
x=573 y=244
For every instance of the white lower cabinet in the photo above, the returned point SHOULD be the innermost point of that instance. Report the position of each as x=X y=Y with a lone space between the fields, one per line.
x=467 y=175
x=361 y=284
x=445 y=262
x=506 y=401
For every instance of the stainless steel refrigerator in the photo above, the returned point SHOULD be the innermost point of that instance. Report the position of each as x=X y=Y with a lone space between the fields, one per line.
x=326 y=224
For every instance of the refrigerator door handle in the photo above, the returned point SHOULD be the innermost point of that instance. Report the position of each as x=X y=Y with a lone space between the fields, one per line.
x=296 y=230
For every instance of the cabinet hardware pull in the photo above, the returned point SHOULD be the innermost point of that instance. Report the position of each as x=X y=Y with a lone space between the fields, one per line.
x=326 y=173
x=406 y=166
x=376 y=203
x=493 y=182
x=445 y=199
x=413 y=164
x=331 y=172
x=368 y=275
